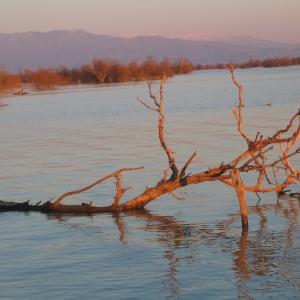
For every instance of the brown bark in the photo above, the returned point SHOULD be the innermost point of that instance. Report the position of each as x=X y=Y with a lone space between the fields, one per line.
x=239 y=187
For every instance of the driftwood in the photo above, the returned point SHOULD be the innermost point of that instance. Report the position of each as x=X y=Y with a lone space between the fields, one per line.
x=20 y=92
x=252 y=160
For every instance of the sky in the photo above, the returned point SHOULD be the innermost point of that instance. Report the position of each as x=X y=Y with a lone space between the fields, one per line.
x=275 y=20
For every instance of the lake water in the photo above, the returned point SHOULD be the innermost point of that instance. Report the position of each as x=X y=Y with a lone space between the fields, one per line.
x=56 y=141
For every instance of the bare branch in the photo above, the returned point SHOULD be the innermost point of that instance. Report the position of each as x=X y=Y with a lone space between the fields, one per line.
x=254 y=158
x=285 y=160
x=161 y=121
x=256 y=136
x=289 y=126
x=177 y=198
x=57 y=202
x=239 y=117
x=152 y=108
x=150 y=92
x=268 y=179
x=119 y=190
x=282 y=158
x=182 y=173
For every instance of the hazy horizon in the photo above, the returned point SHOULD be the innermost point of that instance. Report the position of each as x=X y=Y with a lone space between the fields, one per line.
x=209 y=36
x=273 y=20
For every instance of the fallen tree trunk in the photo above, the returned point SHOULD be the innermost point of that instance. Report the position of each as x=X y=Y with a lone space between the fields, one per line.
x=252 y=160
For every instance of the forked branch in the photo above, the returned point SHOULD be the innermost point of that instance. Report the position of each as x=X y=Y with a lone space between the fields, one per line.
x=239 y=116
x=161 y=122
x=117 y=174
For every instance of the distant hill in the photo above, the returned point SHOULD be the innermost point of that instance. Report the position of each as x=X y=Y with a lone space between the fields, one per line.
x=73 y=48
x=240 y=40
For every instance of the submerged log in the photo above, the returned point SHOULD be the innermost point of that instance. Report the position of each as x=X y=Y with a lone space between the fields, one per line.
x=253 y=159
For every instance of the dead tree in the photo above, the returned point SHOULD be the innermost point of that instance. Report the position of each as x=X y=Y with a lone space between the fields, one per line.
x=252 y=160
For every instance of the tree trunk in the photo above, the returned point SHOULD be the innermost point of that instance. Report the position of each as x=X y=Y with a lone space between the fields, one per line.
x=240 y=191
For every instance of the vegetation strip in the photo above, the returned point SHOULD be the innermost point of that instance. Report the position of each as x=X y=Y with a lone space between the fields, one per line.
x=108 y=70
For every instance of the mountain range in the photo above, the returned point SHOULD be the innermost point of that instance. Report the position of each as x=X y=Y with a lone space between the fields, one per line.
x=73 y=48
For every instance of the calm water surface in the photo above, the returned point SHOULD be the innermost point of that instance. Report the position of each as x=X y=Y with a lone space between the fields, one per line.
x=57 y=141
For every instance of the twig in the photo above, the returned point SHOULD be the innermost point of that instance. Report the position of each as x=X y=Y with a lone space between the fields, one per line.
x=57 y=202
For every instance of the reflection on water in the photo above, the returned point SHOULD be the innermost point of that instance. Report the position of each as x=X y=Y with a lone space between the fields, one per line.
x=265 y=261
x=164 y=255
x=55 y=142
x=271 y=254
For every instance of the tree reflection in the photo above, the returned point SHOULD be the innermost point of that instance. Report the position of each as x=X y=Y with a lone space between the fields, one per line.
x=170 y=233
x=270 y=249
x=267 y=252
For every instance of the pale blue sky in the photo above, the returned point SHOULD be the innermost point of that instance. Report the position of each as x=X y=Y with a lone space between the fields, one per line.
x=277 y=20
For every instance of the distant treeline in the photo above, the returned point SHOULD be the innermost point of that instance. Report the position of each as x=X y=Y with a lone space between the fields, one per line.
x=8 y=81
x=267 y=63
x=104 y=70
x=108 y=70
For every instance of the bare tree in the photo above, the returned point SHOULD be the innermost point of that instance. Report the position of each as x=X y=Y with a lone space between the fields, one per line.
x=101 y=69
x=252 y=160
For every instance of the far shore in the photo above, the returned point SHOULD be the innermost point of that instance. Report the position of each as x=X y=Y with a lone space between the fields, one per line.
x=107 y=71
